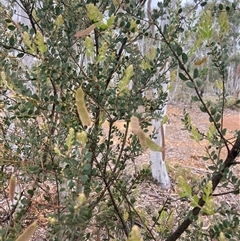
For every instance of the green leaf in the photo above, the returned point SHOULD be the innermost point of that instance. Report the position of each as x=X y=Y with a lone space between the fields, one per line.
x=179 y=50
x=190 y=84
x=11 y=27
x=195 y=98
x=199 y=83
x=82 y=138
x=70 y=138
x=134 y=234
x=195 y=73
x=182 y=77
x=195 y=134
x=203 y=109
x=184 y=58
x=20 y=55
x=203 y=4
x=194 y=201
x=185 y=188
x=94 y=14
x=220 y=7
x=211 y=132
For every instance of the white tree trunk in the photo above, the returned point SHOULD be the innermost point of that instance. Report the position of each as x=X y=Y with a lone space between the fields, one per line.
x=157 y=159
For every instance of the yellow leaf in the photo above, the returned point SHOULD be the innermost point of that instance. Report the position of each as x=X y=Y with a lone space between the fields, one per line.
x=124 y=82
x=85 y=32
x=153 y=146
x=29 y=231
x=81 y=199
x=39 y=40
x=134 y=234
x=93 y=13
x=57 y=151
x=125 y=215
x=89 y=45
x=81 y=108
x=29 y=42
x=59 y=21
x=221 y=237
x=69 y=140
x=203 y=60
x=82 y=138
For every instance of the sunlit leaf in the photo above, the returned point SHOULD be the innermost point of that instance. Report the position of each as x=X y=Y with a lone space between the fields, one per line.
x=89 y=45
x=195 y=134
x=205 y=25
x=57 y=151
x=82 y=138
x=223 y=23
x=81 y=199
x=70 y=138
x=39 y=40
x=222 y=237
x=211 y=132
x=94 y=14
x=59 y=21
x=124 y=82
x=185 y=188
x=29 y=42
x=134 y=235
x=194 y=201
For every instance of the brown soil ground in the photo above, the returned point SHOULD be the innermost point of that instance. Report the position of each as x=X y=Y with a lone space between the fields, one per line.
x=180 y=148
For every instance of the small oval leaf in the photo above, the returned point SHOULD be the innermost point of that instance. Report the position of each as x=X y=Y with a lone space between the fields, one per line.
x=195 y=73
x=184 y=58
x=182 y=77
x=190 y=84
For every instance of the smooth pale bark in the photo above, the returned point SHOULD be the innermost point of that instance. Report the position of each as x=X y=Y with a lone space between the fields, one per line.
x=157 y=159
